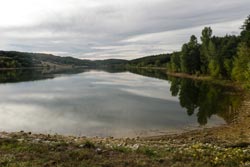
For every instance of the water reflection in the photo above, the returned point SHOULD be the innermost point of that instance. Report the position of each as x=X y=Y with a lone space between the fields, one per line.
x=201 y=98
x=22 y=75
x=206 y=99
x=114 y=103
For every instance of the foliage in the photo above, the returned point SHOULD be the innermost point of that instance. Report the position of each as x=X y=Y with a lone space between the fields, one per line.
x=214 y=56
x=190 y=56
x=204 y=52
x=150 y=61
x=241 y=70
x=245 y=34
x=241 y=65
x=219 y=57
x=175 y=60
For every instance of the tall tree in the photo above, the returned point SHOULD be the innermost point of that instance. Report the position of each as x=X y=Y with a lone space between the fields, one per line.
x=204 y=57
x=245 y=34
x=214 y=61
x=175 y=62
x=241 y=70
x=190 y=57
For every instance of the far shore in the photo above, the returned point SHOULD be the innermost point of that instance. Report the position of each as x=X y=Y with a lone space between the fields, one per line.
x=44 y=67
x=223 y=82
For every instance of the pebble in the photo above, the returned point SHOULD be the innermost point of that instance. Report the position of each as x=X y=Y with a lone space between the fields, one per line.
x=135 y=147
x=98 y=150
x=37 y=140
x=47 y=142
x=20 y=140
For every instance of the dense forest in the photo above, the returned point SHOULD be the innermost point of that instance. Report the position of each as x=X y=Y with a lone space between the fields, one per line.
x=160 y=60
x=225 y=57
x=219 y=57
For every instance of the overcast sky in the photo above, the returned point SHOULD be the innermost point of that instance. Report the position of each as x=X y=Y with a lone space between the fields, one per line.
x=101 y=29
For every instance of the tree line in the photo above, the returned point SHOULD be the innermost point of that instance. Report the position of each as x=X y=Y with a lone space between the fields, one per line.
x=13 y=59
x=225 y=57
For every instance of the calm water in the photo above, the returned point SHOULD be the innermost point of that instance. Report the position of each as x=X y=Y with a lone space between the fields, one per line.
x=110 y=103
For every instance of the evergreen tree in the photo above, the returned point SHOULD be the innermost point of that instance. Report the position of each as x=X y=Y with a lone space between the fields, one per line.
x=175 y=62
x=245 y=34
x=241 y=70
x=204 y=56
x=190 y=57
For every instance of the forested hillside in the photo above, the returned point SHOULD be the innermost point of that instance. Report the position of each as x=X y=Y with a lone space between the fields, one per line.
x=12 y=59
x=110 y=63
x=151 y=61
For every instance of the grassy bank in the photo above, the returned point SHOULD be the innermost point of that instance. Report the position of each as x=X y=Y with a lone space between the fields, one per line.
x=23 y=149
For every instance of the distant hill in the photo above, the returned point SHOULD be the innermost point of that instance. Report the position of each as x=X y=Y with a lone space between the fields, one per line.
x=111 y=63
x=13 y=59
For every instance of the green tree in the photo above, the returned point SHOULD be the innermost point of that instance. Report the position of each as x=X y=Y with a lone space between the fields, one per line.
x=190 y=56
x=204 y=57
x=175 y=62
x=213 y=66
x=241 y=70
x=245 y=34
x=222 y=51
x=157 y=63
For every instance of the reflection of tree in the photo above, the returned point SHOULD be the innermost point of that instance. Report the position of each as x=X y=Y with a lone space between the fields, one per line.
x=188 y=97
x=207 y=99
x=20 y=75
x=175 y=86
x=210 y=101
x=161 y=74
x=199 y=97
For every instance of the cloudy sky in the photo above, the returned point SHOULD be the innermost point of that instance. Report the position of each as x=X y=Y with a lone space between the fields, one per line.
x=101 y=29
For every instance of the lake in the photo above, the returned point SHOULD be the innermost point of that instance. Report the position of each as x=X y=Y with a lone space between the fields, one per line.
x=117 y=103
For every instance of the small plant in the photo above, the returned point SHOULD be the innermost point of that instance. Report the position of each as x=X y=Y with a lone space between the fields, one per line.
x=122 y=149
x=89 y=144
x=147 y=151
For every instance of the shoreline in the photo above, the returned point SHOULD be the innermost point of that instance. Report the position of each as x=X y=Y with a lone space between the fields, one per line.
x=223 y=82
x=44 y=67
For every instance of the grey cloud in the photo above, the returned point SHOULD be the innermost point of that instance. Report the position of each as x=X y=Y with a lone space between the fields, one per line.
x=108 y=30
